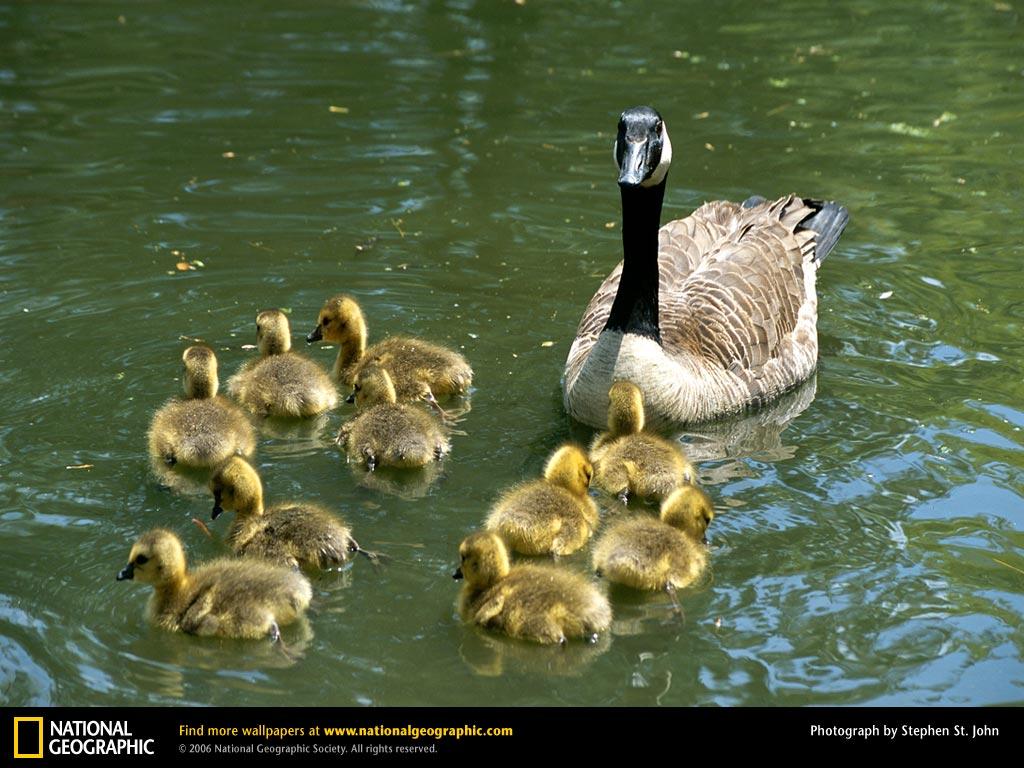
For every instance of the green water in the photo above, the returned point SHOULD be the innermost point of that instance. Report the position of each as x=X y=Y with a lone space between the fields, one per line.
x=869 y=553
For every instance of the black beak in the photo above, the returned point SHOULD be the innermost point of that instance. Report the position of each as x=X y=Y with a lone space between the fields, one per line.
x=458 y=574
x=351 y=398
x=218 y=510
x=633 y=168
x=315 y=335
x=128 y=572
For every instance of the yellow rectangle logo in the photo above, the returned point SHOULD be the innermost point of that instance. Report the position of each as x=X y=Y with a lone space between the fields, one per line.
x=39 y=745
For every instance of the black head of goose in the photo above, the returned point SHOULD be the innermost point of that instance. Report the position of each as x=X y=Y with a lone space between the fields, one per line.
x=707 y=315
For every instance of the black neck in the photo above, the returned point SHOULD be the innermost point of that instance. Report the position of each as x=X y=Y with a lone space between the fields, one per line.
x=635 y=309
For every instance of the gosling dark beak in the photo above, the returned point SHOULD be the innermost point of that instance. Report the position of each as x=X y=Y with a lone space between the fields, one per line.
x=458 y=574
x=315 y=335
x=128 y=572
x=633 y=167
x=351 y=398
x=218 y=510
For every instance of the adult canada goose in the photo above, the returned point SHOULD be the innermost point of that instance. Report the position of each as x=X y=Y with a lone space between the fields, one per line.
x=709 y=314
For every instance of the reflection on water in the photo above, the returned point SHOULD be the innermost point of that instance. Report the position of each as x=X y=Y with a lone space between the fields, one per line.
x=756 y=435
x=449 y=164
x=492 y=655
x=405 y=483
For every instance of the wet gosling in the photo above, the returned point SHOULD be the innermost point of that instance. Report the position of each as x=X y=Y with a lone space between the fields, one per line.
x=281 y=382
x=228 y=598
x=203 y=429
x=554 y=515
x=542 y=603
x=646 y=553
x=631 y=462
x=386 y=432
x=295 y=534
x=412 y=363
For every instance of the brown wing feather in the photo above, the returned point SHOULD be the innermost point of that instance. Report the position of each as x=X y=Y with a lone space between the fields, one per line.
x=731 y=283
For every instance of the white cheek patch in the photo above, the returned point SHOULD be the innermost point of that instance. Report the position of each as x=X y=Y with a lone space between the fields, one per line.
x=666 y=160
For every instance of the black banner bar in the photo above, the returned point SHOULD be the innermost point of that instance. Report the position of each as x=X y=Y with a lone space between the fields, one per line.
x=200 y=736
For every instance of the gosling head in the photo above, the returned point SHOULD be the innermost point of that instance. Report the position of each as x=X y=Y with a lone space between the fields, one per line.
x=570 y=468
x=236 y=486
x=373 y=387
x=273 y=332
x=156 y=558
x=199 y=372
x=483 y=560
x=643 y=151
x=625 y=409
x=690 y=510
x=340 y=322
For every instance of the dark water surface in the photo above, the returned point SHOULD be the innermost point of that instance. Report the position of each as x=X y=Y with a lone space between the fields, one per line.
x=871 y=553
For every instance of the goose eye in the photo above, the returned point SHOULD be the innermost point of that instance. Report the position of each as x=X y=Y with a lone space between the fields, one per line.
x=141 y=560
x=660 y=126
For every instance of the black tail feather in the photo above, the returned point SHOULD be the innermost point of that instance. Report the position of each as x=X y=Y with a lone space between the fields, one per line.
x=828 y=221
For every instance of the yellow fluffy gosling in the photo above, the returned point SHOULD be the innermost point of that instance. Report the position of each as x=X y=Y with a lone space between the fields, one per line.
x=554 y=515
x=643 y=552
x=412 y=363
x=281 y=382
x=295 y=534
x=630 y=462
x=203 y=429
x=243 y=598
x=542 y=603
x=386 y=432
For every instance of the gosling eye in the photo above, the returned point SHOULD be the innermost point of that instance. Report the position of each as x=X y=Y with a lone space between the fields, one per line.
x=141 y=560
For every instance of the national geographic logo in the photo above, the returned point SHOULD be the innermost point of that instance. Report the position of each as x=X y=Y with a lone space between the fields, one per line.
x=76 y=737
x=28 y=737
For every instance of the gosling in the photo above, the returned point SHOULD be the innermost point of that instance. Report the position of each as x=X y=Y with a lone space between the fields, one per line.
x=554 y=515
x=386 y=432
x=541 y=603
x=204 y=429
x=227 y=598
x=630 y=462
x=281 y=382
x=651 y=554
x=418 y=368
x=293 y=534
